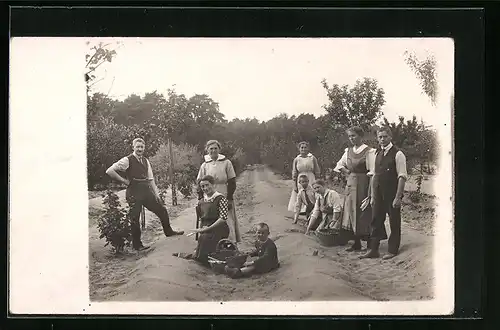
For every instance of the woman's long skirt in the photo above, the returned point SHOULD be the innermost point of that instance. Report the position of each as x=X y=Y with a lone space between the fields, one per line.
x=353 y=218
x=207 y=242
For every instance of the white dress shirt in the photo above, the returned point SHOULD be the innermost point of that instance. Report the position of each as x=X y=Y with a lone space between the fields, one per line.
x=333 y=200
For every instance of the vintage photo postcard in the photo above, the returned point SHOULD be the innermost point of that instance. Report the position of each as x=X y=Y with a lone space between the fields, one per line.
x=234 y=176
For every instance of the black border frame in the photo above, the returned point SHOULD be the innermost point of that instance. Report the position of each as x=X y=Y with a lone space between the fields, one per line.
x=464 y=25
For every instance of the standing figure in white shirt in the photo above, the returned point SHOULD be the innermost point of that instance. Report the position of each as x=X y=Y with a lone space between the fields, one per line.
x=354 y=164
x=388 y=178
x=141 y=191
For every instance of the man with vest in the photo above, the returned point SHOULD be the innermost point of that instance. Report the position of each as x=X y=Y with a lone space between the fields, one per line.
x=141 y=191
x=388 y=178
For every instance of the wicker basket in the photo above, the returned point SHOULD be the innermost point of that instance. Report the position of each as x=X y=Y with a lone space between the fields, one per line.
x=331 y=237
x=226 y=254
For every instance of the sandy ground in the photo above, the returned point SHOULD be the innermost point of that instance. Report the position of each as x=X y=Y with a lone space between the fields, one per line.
x=262 y=196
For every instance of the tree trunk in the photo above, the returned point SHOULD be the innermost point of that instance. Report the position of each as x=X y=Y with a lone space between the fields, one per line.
x=171 y=173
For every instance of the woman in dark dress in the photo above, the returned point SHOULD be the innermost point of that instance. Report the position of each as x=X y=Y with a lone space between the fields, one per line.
x=355 y=165
x=212 y=211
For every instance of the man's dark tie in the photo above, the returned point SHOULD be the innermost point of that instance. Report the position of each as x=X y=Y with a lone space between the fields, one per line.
x=307 y=198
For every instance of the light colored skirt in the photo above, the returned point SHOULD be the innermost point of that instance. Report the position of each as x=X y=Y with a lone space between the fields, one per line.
x=353 y=219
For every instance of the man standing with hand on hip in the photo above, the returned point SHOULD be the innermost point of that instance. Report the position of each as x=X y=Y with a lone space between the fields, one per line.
x=141 y=191
x=388 y=178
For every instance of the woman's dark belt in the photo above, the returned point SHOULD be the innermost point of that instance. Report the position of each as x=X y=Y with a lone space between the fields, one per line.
x=141 y=180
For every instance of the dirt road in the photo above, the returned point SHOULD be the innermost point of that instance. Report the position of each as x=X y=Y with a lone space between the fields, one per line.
x=332 y=274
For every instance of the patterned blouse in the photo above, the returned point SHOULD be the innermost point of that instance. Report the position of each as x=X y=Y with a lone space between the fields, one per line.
x=223 y=205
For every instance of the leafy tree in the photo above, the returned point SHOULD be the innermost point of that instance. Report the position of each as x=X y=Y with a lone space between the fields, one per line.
x=417 y=140
x=106 y=143
x=186 y=166
x=203 y=116
x=425 y=70
x=360 y=105
x=98 y=106
x=98 y=55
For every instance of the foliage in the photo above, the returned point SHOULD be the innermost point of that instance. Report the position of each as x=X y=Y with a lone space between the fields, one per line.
x=357 y=106
x=98 y=106
x=114 y=223
x=190 y=121
x=97 y=56
x=106 y=143
x=425 y=70
x=417 y=140
x=187 y=161
x=416 y=195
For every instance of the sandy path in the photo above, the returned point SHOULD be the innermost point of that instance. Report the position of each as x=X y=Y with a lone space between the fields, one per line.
x=261 y=196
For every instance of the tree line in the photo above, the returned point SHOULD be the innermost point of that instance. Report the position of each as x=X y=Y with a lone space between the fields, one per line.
x=189 y=121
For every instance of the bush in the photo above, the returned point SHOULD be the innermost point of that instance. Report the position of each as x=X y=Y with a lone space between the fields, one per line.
x=114 y=223
x=187 y=162
x=105 y=145
x=238 y=159
x=184 y=184
x=416 y=195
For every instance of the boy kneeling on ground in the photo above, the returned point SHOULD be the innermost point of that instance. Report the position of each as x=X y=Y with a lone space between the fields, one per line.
x=328 y=208
x=265 y=250
x=306 y=196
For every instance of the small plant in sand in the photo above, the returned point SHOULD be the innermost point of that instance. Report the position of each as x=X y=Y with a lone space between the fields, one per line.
x=114 y=223
x=416 y=195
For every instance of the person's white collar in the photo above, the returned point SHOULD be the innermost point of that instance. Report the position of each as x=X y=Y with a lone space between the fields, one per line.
x=137 y=156
x=359 y=149
x=387 y=147
x=308 y=155
x=211 y=198
x=209 y=159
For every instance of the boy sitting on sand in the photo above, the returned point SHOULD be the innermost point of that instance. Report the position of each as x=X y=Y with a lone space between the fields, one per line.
x=265 y=250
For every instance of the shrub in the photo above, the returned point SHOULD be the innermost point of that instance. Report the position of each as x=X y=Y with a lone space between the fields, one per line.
x=114 y=223
x=184 y=184
x=187 y=162
x=105 y=145
x=416 y=195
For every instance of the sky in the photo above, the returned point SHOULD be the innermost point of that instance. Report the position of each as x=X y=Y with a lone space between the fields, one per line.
x=260 y=78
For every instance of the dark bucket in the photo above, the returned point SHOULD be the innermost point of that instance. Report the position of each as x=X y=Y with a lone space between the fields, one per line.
x=331 y=237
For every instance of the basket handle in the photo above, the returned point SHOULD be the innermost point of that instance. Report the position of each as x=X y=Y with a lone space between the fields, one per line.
x=225 y=241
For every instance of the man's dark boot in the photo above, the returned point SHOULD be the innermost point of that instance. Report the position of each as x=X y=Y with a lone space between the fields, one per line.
x=172 y=232
x=141 y=247
x=373 y=250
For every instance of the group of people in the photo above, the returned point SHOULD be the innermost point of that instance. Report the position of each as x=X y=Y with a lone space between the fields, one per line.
x=374 y=189
x=375 y=184
x=215 y=209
